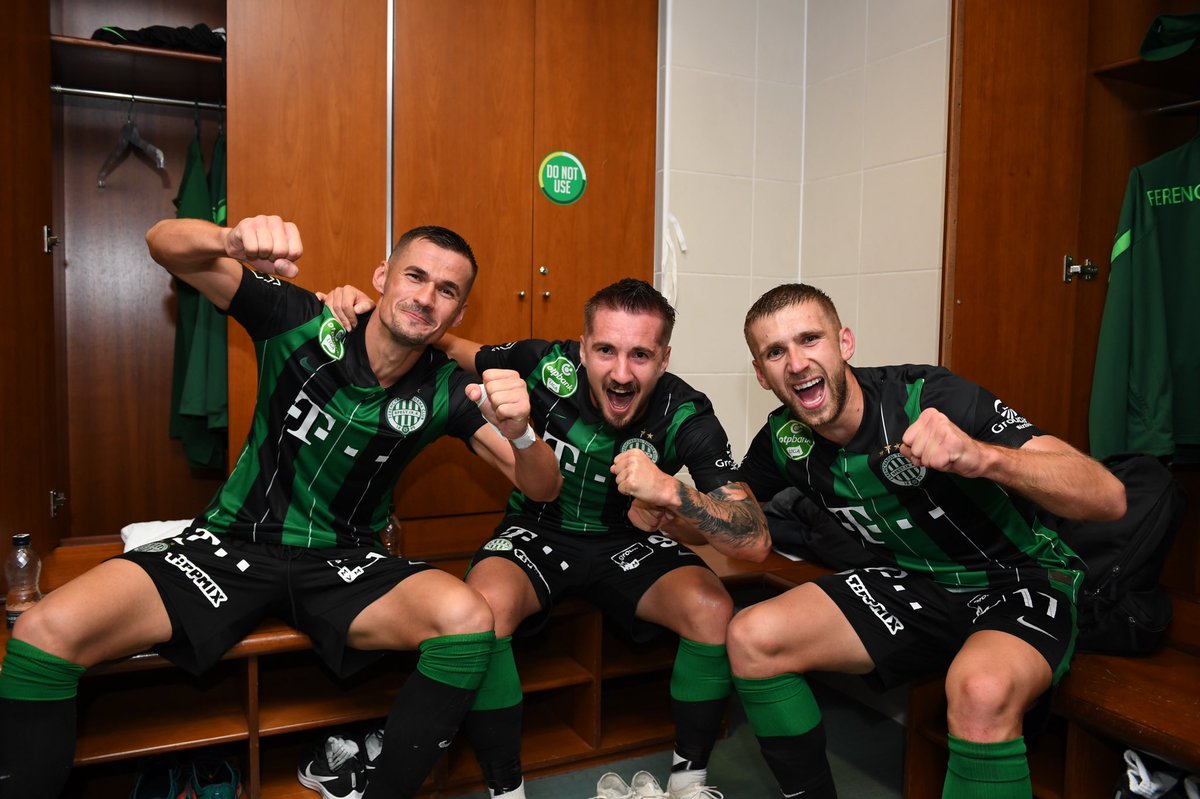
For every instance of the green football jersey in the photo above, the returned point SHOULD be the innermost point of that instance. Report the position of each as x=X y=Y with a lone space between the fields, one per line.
x=327 y=443
x=678 y=429
x=965 y=533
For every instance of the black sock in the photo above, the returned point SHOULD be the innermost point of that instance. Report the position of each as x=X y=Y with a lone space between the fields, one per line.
x=423 y=721
x=697 y=726
x=800 y=764
x=37 y=747
x=495 y=735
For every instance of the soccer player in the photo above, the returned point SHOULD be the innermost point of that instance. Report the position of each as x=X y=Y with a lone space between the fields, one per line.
x=946 y=483
x=621 y=425
x=294 y=530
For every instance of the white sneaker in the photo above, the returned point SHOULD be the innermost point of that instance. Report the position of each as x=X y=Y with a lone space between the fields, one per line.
x=696 y=792
x=644 y=786
x=611 y=786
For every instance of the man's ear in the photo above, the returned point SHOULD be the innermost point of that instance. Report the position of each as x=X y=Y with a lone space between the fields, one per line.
x=379 y=279
x=458 y=317
x=762 y=381
x=846 y=340
x=666 y=360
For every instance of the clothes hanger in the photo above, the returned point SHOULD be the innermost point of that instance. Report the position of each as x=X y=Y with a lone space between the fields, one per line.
x=127 y=140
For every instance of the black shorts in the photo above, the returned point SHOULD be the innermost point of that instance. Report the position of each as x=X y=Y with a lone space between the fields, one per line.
x=911 y=626
x=612 y=571
x=217 y=591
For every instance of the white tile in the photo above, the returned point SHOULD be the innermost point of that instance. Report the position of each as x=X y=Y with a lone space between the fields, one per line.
x=906 y=99
x=837 y=37
x=894 y=26
x=776 y=229
x=728 y=396
x=712 y=123
x=714 y=35
x=844 y=293
x=660 y=120
x=781 y=40
x=714 y=213
x=833 y=126
x=830 y=232
x=902 y=216
x=708 y=329
x=899 y=318
x=779 y=131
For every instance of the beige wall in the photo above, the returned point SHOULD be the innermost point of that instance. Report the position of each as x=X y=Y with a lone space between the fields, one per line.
x=801 y=140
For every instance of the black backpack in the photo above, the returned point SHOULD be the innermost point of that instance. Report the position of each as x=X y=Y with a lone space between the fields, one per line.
x=1122 y=608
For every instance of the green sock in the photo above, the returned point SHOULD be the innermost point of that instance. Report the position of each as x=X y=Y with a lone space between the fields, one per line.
x=31 y=675
x=457 y=660
x=987 y=771
x=701 y=672
x=779 y=706
x=501 y=686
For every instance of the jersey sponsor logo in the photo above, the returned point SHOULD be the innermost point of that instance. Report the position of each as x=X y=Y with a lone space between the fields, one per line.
x=727 y=462
x=892 y=624
x=498 y=545
x=207 y=585
x=901 y=471
x=313 y=421
x=631 y=557
x=1007 y=417
x=153 y=546
x=562 y=451
x=331 y=338
x=350 y=574
x=796 y=438
x=406 y=415
x=643 y=445
x=560 y=376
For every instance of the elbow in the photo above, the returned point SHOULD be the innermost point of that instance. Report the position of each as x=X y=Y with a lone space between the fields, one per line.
x=757 y=551
x=547 y=492
x=1116 y=506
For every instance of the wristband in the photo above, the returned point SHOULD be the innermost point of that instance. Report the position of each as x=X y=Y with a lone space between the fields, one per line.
x=525 y=440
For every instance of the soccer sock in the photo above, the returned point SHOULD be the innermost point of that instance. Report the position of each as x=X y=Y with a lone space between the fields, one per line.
x=37 y=721
x=787 y=722
x=987 y=771
x=700 y=686
x=428 y=711
x=493 y=725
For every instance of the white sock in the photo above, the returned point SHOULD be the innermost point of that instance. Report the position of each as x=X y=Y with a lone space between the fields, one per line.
x=682 y=779
x=515 y=793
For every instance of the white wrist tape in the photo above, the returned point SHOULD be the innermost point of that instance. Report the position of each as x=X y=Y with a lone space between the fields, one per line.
x=523 y=441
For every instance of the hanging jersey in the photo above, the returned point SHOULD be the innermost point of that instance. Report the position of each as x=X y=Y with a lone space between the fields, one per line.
x=965 y=533
x=327 y=443
x=678 y=429
x=1147 y=373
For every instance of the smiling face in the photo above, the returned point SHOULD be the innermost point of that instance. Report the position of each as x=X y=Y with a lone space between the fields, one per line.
x=423 y=292
x=800 y=355
x=624 y=355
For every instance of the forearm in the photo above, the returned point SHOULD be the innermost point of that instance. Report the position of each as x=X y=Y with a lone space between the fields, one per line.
x=1059 y=478
x=535 y=472
x=729 y=518
x=182 y=246
x=460 y=350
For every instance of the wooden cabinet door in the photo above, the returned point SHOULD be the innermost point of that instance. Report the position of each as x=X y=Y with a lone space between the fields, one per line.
x=1013 y=203
x=30 y=412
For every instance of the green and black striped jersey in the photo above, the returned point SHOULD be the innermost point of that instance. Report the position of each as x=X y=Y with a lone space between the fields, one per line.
x=965 y=533
x=327 y=442
x=678 y=429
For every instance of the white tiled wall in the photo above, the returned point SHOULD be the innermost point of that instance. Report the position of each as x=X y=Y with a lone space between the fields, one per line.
x=801 y=140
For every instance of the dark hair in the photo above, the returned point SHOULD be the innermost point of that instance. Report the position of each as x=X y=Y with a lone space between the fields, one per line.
x=631 y=296
x=786 y=296
x=440 y=237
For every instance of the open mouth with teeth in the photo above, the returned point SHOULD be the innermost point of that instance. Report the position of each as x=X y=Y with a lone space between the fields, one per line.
x=811 y=392
x=620 y=399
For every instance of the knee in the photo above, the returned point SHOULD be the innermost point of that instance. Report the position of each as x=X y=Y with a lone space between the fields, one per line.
x=463 y=611
x=47 y=628
x=708 y=611
x=750 y=646
x=980 y=702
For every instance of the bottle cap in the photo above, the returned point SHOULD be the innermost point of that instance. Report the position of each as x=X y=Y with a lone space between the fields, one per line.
x=21 y=540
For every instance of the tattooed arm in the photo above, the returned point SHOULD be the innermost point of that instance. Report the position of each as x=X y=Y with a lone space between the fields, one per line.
x=728 y=517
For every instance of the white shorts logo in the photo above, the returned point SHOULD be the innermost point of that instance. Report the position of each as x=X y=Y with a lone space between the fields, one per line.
x=893 y=624
x=207 y=585
x=348 y=574
x=631 y=557
x=498 y=545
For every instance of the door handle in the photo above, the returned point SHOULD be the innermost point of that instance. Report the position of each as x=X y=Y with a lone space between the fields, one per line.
x=1084 y=271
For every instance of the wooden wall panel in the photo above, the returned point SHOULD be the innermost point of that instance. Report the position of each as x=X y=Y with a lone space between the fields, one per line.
x=596 y=92
x=307 y=82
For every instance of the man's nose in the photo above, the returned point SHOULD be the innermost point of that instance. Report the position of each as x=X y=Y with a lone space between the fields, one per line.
x=797 y=361
x=425 y=293
x=621 y=371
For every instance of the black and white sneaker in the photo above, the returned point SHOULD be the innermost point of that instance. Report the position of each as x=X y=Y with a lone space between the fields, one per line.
x=334 y=769
x=372 y=745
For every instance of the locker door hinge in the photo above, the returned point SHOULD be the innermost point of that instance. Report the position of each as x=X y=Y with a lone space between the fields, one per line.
x=57 y=500
x=49 y=240
x=1084 y=271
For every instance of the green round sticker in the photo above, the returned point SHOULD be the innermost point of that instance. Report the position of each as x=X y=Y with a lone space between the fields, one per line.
x=562 y=178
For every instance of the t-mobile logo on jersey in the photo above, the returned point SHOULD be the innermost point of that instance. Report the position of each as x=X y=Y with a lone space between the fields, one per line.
x=311 y=417
x=567 y=455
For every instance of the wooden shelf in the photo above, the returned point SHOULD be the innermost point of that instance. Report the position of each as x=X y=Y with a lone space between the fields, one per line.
x=636 y=712
x=127 y=69
x=623 y=659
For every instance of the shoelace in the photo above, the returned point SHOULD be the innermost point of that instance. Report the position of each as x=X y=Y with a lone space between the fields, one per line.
x=338 y=751
x=701 y=792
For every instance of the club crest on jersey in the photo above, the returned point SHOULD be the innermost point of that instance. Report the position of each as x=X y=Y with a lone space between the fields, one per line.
x=560 y=376
x=642 y=444
x=796 y=438
x=331 y=337
x=406 y=415
x=901 y=471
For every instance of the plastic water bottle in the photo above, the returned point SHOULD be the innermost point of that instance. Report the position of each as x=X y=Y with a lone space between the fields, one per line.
x=22 y=570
